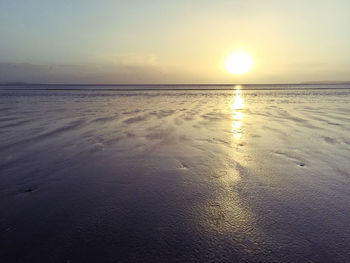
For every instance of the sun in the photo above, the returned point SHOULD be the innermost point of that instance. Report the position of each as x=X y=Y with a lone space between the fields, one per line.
x=239 y=63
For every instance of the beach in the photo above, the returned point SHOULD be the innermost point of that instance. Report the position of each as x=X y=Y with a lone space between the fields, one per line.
x=240 y=175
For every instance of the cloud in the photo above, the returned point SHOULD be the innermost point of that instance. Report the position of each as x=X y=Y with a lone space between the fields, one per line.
x=107 y=73
x=125 y=72
x=129 y=68
x=133 y=59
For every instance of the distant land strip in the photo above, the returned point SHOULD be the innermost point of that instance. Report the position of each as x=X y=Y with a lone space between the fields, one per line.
x=176 y=84
x=157 y=87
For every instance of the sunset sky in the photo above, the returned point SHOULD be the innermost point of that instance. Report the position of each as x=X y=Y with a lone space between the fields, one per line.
x=183 y=41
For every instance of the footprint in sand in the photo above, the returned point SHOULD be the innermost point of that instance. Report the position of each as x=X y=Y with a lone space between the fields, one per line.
x=183 y=166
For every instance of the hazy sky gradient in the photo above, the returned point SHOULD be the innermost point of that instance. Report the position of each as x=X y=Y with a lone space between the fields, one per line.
x=179 y=41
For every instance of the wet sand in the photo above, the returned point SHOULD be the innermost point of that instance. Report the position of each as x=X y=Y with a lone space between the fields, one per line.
x=175 y=176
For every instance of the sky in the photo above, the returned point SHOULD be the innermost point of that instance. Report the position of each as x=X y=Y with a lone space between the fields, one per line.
x=183 y=41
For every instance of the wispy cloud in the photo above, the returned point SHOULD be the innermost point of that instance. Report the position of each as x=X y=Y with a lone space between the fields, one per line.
x=133 y=59
x=129 y=69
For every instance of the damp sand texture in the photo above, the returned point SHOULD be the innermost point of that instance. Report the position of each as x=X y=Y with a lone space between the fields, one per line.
x=175 y=176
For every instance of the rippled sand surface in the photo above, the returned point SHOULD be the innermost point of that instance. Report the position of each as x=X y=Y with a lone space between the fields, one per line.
x=186 y=176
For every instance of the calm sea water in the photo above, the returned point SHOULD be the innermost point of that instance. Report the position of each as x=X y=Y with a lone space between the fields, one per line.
x=109 y=175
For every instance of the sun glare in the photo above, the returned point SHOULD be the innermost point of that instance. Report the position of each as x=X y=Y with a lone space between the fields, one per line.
x=239 y=63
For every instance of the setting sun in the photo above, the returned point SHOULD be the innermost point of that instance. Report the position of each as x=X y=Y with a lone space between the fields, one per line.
x=239 y=63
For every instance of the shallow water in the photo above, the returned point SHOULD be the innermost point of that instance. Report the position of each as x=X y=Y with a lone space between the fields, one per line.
x=186 y=175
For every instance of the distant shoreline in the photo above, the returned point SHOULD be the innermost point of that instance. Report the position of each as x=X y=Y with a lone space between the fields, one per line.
x=11 y=84
x=291 y=87
x=170 y=87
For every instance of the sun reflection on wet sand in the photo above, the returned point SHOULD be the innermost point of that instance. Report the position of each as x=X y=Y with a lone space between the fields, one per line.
x=237 y=105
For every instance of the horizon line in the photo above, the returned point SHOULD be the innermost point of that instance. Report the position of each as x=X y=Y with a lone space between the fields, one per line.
x=175 y=84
